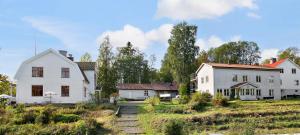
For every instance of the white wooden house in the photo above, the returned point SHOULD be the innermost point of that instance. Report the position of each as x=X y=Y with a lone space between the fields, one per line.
x=54 y=76
x=247 y=82
x=143 y=91
x=289 y=77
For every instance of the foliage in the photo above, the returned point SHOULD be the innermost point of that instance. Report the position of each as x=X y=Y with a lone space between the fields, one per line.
x=174 y=127
x=153 y=101
x=86 y=57
x=183 y=89
x=292 y=53
x=199 y=101
x=45 y=116
x=241 y=52
x=5 y=85
x=220 y=100
x=175 y=101
x=184 y=99
x=182 y=52
x=107 y=76
x=131 y=65
x=165 y=73
x=65 y=118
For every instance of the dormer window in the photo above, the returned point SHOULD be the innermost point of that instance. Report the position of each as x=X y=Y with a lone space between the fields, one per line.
x=37 y=72
x=281 y=71
x=245 y=78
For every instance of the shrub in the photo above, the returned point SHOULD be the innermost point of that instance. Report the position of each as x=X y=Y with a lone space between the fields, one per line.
x=173 y=127
x=153 y=101
x=198 y=101
x=206 y=96
x=219 y=100
x=29 y=117
x=183 y=89
x=65 y=118
x=20 y=108
x=184 y=99
x=44 y=116
x=175 y=101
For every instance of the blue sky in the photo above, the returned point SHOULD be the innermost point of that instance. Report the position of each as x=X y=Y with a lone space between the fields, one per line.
x=79 y=26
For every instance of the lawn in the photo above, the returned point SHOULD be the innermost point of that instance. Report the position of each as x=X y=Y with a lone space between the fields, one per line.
x=239 y=116
x=82 y=118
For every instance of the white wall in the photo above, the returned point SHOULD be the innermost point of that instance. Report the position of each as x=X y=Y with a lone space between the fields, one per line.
x=223 y=80
x=206 y=70
x=135 y=94
x=90 y=74
x=51 y=80
x=288 y=79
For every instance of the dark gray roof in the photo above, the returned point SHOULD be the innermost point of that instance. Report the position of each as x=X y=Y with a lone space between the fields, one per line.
x=153 y=86
x=87 y=65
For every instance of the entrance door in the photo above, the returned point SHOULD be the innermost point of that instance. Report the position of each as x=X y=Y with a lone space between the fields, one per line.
x=232 y=94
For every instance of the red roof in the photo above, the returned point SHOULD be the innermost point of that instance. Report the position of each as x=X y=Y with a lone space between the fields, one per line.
x=154 y=86
x=274 y=65
x=241 y=66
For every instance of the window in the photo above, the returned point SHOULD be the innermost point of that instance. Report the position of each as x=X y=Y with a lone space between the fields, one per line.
x=271 y=92
x=84 y=92
x=258 y=92
x=247 y=92
x=293 y=70
x=271 y=79
x=281 y=71
x=245 y=78
x=37 y=71
x=65 y=91
x=243 y=92
x=226 y=92
x=37 y=90
x=65 y=73
x=219 y=91
x=297 y=82
x=202 y=80
x=207 y=79
x=235 y=78
x=146 y=93
x=258 y=79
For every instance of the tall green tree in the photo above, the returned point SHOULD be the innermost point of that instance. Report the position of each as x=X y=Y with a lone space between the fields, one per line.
x=86 y=57
x=131 y=65
x=165 y=73
x=5 y=85
x=182 y=52
x=106 y=72
x=241 y=52
x=202 y=57
x=292 y=53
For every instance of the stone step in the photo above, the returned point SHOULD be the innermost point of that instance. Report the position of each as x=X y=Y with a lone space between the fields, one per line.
x=128 y=115
x=126 y=119
x=132 y=130
x=127 y=124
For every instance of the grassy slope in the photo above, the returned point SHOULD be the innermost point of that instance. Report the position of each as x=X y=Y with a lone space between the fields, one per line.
x=268 y=116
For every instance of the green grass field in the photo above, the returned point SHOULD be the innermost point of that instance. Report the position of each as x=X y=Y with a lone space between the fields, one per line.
x=264 y=117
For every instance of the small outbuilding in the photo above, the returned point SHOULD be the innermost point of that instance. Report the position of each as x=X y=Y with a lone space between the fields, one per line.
x=142 y=91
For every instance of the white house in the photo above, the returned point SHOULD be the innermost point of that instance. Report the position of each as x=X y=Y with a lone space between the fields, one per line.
x=52 y=76
x=247 y=82
x=143 y=91
x=290 y=76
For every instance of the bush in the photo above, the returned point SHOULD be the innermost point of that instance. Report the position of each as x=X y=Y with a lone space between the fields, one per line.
x=153 y=101
x=219 y=100
x=198 y=101
x=175 y=101
x=65 y=118
x=206 y=96
x=173 y=127
x=184 y=99
x=20 y=108
x=44 y=116
x=183 y=89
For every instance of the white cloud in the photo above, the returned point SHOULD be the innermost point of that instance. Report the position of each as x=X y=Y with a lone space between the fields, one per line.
x=200 y=9
x=66 y=32
x=214 y=41
x=253 y=15
x=138 y=37
x=269 y=53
